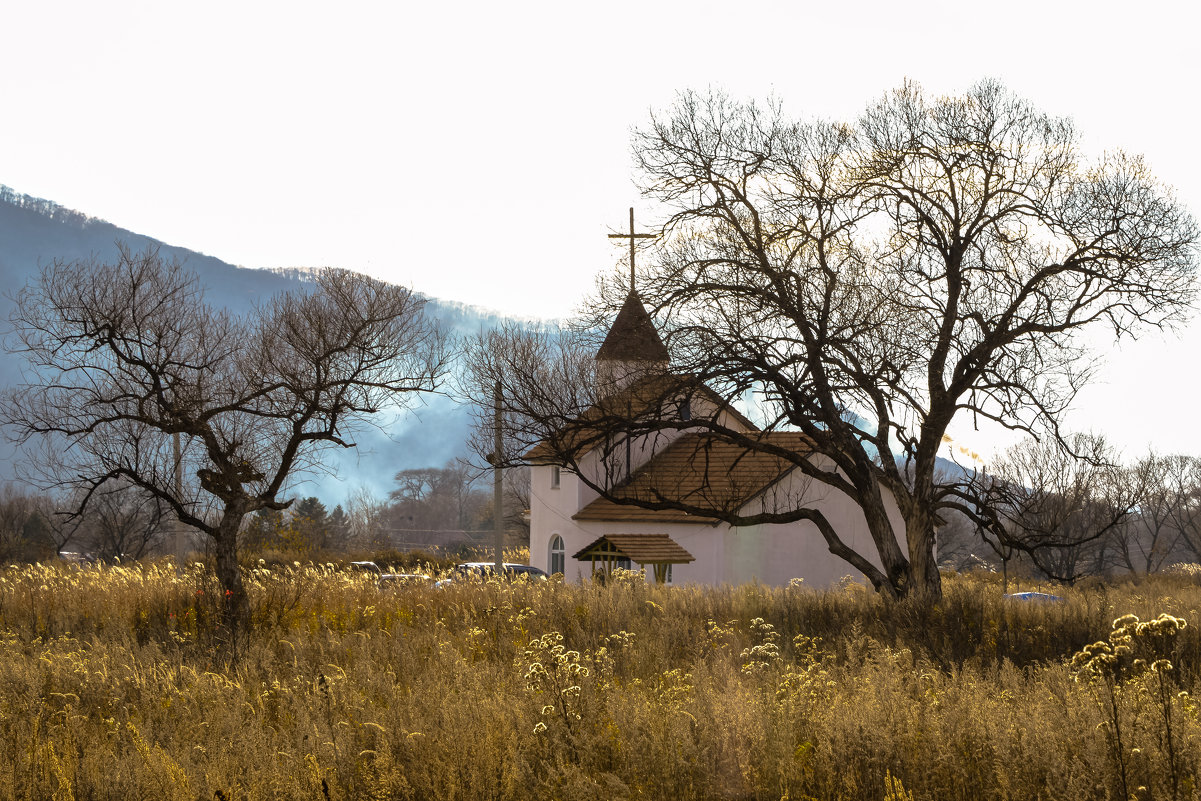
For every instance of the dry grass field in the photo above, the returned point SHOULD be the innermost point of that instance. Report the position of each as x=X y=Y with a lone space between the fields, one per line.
x=113 y=686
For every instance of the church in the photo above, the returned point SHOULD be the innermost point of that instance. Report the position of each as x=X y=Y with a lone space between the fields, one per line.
x=577 y=532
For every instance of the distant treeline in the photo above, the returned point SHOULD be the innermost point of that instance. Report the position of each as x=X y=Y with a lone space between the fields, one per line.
x=47 y=208
x=430 y=508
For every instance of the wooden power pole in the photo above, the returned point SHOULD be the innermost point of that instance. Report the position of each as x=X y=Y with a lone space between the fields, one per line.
x=498 y=477
x=179 y=533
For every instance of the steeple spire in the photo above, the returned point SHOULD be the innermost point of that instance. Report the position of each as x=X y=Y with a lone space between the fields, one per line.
x=633 y=337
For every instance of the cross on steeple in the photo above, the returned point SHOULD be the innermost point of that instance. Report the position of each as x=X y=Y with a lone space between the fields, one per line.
x=632 y=237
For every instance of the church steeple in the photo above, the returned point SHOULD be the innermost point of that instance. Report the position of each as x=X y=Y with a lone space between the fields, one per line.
x=632 y=347
x=633 y=337
x=631 y=350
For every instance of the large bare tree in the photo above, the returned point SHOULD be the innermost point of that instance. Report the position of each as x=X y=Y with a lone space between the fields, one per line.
x=126 y=356
x=874 y=281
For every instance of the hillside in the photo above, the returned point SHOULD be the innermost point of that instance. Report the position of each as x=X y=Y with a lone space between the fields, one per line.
x=34 y=232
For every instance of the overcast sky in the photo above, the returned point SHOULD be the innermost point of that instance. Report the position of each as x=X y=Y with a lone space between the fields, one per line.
x=480 y=151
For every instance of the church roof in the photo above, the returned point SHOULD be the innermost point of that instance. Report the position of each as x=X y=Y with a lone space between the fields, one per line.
x=633 y=337
x=645 y=549
x=698 y=470
x=645 y=399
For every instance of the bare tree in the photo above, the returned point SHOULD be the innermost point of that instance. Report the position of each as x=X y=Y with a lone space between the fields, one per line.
x=959 y=546
x=874 y=281
x=1060 y=504
x=1151 y=537
x=122 y=522
x=544 y=368
x=129 y=357
x=55 y=523
x=14 y=512
x=433 y=498
x=26 y=530
x=365 y=520
x=1183 y=474
x=517 y=503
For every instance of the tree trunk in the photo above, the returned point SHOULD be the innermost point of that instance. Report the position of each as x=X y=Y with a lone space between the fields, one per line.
x=924 y=579
x=897 y=569
x=235 y=605
x=927 y=582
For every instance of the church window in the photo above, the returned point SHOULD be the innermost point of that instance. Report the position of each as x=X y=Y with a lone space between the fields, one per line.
x=554 y=478
x=685 y=410
x=556 y=554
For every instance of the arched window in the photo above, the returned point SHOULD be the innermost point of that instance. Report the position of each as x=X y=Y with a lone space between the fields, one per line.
x=556 y=555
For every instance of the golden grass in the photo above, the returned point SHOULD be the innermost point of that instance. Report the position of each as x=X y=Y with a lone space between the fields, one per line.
x=112 y=685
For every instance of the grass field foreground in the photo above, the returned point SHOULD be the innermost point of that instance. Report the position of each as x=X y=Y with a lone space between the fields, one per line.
x=112 y=686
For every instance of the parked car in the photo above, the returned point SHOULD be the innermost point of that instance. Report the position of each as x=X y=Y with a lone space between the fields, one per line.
x=1037 y=597
x=479 y=570
x=388 y=580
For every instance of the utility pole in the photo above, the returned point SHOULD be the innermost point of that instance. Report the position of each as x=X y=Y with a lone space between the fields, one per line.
x=498 y=499
x=178 y=545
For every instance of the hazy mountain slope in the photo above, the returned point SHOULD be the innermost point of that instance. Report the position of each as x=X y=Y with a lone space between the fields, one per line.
x=35 y=232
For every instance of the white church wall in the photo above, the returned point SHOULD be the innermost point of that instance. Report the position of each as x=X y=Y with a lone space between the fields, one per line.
x=769 y=554
x=550 y=512
x=775 y=554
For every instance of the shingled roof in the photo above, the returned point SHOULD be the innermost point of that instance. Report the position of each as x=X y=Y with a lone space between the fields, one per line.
x=698 y=470
x=633 y=337
x=645 y=549
x=645 y=399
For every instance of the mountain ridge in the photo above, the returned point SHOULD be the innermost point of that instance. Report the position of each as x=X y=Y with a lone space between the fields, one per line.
x=35 y=232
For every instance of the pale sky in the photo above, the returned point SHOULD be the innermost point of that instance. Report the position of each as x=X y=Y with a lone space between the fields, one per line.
x=479 y=151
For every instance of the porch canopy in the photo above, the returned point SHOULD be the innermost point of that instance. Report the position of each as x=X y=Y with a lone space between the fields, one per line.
x=656 y=550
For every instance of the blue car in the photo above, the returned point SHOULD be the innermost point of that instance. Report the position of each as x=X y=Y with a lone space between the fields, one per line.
x=1038 y=597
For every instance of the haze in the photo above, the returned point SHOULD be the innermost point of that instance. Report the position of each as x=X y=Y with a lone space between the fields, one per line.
x=480 y=152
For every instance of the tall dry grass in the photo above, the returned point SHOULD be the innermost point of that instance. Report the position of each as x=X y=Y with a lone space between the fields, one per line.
x=113 y=685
